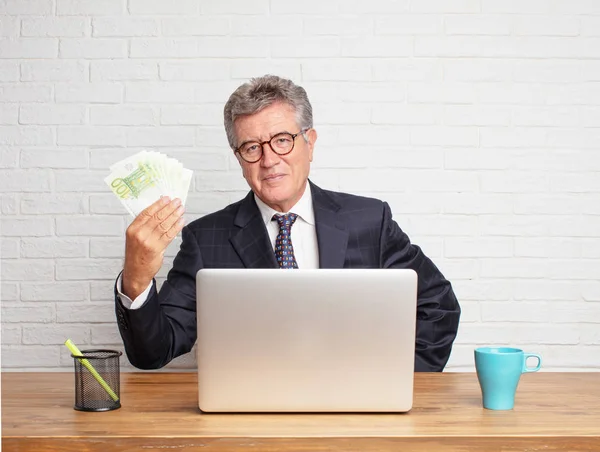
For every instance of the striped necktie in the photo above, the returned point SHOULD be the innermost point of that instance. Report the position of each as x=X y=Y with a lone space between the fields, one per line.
x=284 y=250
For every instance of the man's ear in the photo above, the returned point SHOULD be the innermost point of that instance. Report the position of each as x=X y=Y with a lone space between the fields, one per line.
x=241 y=163
x=311 y=134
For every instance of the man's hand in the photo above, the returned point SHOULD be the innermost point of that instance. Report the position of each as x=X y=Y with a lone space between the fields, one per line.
x=146 y=239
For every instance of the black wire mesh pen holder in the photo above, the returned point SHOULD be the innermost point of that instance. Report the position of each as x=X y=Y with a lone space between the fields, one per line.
x=97 y=380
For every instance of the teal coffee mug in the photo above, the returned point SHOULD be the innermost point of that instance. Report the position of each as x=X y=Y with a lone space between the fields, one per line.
x=499 y=370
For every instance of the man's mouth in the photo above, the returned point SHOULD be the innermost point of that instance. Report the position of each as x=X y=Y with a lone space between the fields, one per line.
x=273 y=177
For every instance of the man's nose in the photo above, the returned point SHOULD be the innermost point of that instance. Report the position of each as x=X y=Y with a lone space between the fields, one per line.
x=270 y=157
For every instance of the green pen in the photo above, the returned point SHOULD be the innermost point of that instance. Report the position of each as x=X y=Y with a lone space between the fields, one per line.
x=75 y=352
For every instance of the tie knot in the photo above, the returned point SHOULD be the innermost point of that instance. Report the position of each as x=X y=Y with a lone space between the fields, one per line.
x=285 y=221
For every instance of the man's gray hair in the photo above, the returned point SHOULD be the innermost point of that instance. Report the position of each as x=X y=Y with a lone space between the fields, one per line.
x=261 y=92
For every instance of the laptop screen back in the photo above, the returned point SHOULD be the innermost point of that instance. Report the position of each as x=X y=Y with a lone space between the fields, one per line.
x=327 y=340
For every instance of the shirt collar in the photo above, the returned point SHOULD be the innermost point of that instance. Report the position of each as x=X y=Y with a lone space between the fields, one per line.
x=303 y=208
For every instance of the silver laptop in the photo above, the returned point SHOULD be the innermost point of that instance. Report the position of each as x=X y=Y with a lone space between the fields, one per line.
x=272 y=340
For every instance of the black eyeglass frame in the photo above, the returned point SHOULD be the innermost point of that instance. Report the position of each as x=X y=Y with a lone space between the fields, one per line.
x=262 y=145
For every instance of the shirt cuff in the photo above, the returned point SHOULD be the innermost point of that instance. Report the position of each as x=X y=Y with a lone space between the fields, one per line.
x=126 y=301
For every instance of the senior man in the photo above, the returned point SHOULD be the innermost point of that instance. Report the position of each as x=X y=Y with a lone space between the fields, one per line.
x=269 y=126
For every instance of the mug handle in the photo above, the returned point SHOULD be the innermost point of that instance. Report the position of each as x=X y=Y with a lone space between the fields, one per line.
x=531 y=369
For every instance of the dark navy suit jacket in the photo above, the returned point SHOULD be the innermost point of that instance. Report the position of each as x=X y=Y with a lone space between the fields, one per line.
x=352 y=232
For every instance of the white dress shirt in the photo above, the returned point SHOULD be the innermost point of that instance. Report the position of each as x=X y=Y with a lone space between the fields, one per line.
x=303 y=235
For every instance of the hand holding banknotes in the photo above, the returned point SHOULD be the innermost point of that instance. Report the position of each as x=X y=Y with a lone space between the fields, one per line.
x=153 y=188
x=146 y=239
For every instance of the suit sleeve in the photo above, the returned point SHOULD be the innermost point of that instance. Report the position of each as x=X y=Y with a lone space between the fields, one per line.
x=164 y=327
x=438 y=311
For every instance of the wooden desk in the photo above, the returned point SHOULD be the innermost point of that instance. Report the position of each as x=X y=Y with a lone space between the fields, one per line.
x=554 y=411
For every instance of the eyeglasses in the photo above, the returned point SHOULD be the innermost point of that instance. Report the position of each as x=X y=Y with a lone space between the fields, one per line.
x=281 y=144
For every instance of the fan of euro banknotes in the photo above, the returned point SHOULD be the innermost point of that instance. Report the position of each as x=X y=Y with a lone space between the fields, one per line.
x=143 y=178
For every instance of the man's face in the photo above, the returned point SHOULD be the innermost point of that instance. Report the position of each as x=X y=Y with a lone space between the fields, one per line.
x=278 y=180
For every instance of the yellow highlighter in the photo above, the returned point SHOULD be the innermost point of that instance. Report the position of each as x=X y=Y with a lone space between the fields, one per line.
x=75 y=352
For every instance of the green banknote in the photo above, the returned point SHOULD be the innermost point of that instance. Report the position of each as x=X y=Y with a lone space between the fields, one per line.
x=141 y=179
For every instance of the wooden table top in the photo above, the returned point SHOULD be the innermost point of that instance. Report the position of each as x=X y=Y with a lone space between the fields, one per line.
x=553 y=411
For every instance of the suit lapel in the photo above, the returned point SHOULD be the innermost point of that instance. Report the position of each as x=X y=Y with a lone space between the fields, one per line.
x=251 y=242
x=332 y=237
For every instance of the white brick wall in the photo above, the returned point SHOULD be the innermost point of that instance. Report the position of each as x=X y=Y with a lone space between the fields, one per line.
x=477 y=120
